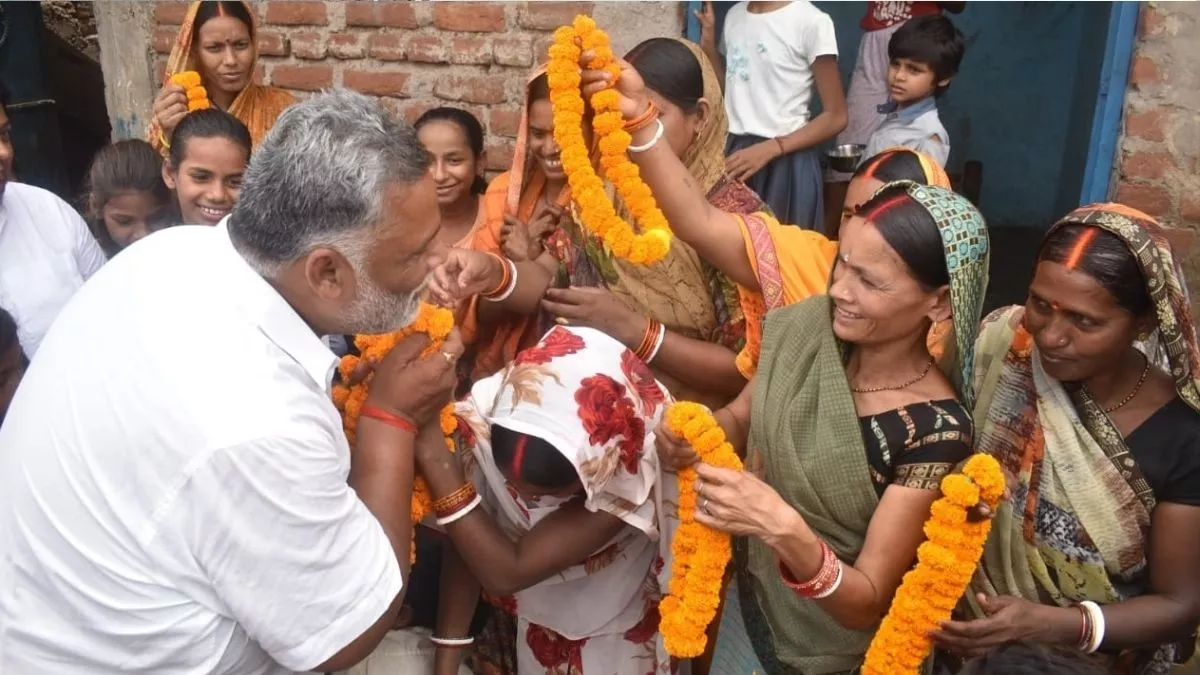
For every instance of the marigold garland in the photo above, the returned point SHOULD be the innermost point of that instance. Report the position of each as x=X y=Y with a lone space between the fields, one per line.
x=436 y=322
x=700 y=553
x=945 y=563
x=197 y=95
x=596 y=211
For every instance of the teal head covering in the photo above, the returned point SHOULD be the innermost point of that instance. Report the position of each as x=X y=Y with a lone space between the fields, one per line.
x=968 y=250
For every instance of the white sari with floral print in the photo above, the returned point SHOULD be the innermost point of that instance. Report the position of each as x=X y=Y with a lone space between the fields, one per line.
x=593 y=400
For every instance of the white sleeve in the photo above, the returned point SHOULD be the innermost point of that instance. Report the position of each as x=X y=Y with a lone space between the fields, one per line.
x=821 y=39
x=288 y=548
x=89 y=257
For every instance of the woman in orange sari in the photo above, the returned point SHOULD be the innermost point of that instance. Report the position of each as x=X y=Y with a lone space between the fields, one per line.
x=566 y=274
x=217 y=41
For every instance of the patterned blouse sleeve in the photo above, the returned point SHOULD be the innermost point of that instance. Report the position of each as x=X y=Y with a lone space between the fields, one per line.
x=924 y=462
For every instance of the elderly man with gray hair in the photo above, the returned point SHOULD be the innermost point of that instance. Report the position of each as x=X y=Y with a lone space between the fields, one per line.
x=176 y=492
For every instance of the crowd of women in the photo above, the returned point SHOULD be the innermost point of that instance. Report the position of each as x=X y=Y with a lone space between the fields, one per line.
x=852 y=375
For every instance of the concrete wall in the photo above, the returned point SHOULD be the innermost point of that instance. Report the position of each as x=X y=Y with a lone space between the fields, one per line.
x=412 y=55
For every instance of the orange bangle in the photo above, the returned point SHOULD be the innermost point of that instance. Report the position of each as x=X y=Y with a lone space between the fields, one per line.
x=648 y=339
x=454 y=501
x=644 y=120
x=388 y=418
x=505 y=277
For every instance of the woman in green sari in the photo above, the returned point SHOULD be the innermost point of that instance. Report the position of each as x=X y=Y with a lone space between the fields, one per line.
x=847 y=425
x=1088 y=397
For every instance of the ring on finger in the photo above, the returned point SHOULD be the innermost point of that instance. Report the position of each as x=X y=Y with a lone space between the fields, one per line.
x=704 y=506
x=450 y=358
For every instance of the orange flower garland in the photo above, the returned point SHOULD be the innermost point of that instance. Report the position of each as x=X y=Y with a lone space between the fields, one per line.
x=197 y=96
x=436 y=322
x=596 y=211
x=700 y=553
x=945 y=563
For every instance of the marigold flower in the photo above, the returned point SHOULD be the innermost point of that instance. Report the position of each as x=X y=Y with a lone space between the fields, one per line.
x=700 y=554
x=945 y=563
x=435 y=322
x=596 y=211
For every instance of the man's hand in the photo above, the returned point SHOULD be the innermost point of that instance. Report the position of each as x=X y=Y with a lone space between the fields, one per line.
x=416 y=388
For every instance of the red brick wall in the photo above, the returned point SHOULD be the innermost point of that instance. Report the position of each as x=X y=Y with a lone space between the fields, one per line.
x=1160 y=152
x=1159 y=165
x=415 y=56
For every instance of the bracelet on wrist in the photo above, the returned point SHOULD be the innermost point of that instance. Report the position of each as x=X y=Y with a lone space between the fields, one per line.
x=508 y=280
x=390 y=419
x=658 y=134
x=452 y=642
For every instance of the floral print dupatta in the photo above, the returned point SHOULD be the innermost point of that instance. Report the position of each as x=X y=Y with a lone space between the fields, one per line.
x=598 y=404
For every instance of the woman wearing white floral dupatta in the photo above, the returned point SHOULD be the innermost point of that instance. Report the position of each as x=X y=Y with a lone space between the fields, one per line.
x=576 y=519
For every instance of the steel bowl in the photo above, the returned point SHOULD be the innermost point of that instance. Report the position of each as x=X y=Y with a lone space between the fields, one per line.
x=845 y=158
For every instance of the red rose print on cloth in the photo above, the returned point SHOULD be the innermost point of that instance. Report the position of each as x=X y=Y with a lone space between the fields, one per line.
x=558 y=342
x=642 y=379
x=647 y=628
x=607 y=413
x=466 y=435
x=554 y=651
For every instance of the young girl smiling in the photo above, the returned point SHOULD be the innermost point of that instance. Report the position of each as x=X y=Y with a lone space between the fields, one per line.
x=209 y=153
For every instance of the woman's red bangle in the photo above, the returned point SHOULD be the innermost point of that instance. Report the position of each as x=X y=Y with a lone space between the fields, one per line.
x=388 y=418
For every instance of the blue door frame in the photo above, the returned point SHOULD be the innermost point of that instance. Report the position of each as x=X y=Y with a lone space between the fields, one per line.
x=1110 y=101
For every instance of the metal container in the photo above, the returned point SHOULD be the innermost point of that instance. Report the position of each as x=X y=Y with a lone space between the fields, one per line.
x=845 y=158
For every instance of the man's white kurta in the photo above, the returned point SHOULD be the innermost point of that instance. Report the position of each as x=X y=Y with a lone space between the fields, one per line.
x=173 y=493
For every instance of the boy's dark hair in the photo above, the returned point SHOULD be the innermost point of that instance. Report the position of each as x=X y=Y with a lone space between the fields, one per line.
x=932 y=40
x=1021 y=658
x=3 y=95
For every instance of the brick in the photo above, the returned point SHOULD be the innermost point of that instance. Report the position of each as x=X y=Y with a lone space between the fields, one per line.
x=499 y=155
x=309 y=45
x=377 y=83
x=1144 y=71
x=305 y=78
x=1153 y=200
x=550 y=15
x=1147 y=165
x=471 y=50
x=170 y=13
x=386 y=47
x=346 y=46
x=297 y=13
x=470 y=89
x=427 y=49
x=1151 y=22
x=1147 y=125
x=386 y=14
x=1189 y=209
x=412 y=111
x=513 y=52
x=469 y=17
x=164 y=39
x=271 y=44
x=504 y=121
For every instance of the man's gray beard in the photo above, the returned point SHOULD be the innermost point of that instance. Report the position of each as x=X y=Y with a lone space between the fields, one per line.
x=377 y=312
